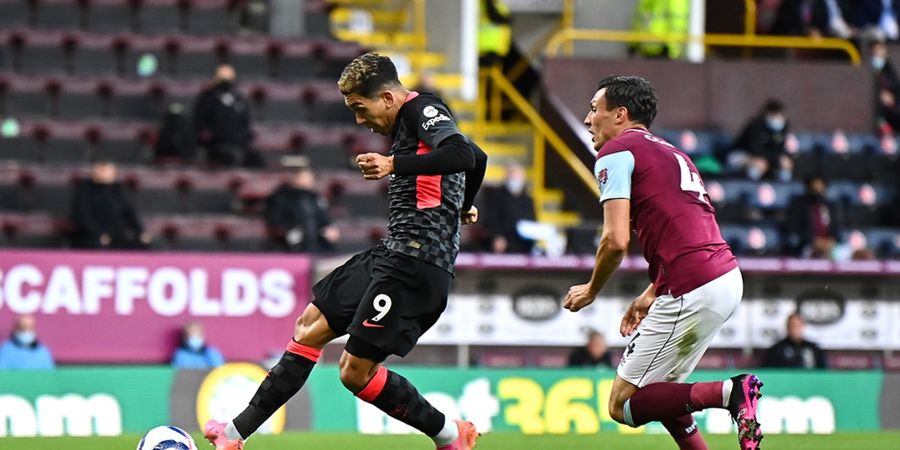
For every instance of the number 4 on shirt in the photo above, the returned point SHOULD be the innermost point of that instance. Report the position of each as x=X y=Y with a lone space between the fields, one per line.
x=690 y=181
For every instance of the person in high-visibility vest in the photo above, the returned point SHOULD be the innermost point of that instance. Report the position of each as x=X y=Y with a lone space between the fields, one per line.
x=494 y=31
x=661 y=17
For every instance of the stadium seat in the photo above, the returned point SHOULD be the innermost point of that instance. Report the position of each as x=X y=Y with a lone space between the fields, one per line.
x=159 y=16
x=210 y=17
x=59 y=15
x=13 y=14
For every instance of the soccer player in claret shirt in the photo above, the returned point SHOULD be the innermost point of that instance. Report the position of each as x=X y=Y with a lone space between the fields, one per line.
x=647 y=183
x=387 y=297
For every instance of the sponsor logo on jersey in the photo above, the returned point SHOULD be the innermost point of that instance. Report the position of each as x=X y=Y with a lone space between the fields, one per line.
x=430 y=122
x=430 y=111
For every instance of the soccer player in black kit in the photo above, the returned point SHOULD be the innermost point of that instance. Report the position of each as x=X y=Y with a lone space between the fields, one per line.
x=385 y=298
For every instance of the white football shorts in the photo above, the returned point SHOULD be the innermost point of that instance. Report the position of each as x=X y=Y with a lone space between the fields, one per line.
x=669 y=342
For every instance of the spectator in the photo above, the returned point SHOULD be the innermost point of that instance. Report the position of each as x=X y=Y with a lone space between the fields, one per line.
x=594 y=354
x=23 y=350
x=297 y=216
x=222 y=122
x=101 y=215
x=494 y=32
x=661 y=17
x=176 y=140
x=507 y=206
x=814 y=224
x=759 y=151
x=814 y=18
x=427 y=84
x=875 y=19
x=887 y=85
x=194 y=352
x=794 y=352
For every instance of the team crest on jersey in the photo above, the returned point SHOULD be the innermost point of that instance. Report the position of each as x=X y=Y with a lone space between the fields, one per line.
x=602 y=176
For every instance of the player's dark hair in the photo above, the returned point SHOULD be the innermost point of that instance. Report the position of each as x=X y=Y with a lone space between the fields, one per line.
x=634 y=94
x=367 y=75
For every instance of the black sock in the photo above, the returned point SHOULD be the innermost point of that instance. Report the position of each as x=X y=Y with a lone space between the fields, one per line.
x=398 y=398
x=282 y=382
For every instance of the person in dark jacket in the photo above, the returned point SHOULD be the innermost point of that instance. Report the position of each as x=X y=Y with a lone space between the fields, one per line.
x=176 y=139
x=595 y=354
x=101 y=215
x=297 y=216
x=815 y=18
x=814 y=224
x=795 y=352
x=759 y=150
x=887 y=89
x=509 y=204
x=222 y=121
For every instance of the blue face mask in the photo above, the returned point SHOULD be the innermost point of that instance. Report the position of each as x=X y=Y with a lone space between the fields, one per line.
x=26 y=337
x=877 y=62
x=195 y=343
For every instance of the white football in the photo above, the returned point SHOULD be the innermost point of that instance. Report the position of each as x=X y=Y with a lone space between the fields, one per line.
x=167 y=437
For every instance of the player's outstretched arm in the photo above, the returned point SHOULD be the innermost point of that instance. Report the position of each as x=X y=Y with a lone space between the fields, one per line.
x=613 y=245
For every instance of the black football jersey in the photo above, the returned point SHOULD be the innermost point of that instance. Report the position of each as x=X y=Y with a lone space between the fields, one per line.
x=425 y=209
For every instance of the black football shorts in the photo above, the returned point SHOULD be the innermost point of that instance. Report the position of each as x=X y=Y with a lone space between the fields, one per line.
x=384 y=298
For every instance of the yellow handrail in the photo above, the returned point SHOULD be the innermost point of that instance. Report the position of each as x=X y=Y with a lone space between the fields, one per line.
x=727 y=40
x=556 y=143
x=749 y=17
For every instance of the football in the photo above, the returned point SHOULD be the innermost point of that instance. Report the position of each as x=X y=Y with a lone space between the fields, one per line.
x=166 y=437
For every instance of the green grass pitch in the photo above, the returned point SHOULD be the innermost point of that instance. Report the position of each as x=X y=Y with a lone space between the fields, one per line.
x=494 y=441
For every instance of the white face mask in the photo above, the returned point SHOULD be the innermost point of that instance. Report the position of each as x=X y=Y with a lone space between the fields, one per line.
x=195 y=343
x=775 y=123
x=515 y=185
x=877 y=62
x=26 y=337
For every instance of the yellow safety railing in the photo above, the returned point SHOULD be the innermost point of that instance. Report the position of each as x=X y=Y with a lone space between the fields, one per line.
x=501 y=84
x=749 y=17
x=726 y=40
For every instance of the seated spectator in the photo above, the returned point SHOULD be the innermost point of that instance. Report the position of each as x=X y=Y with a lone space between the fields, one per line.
x=795 y=352
x=297 y=216
x=887 y=102
x=594 y=354
x=194 y=352
x=813 y=224
x=875 y=19
x=102 y=215
x=222 y=122
x=175 y=142
x=507 y=206
x=814 y=18
x=23 y=350
x=759 y=151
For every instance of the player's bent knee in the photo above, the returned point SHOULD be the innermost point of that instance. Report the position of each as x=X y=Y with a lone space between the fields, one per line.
x=617 y=413
x=312 y=328
x=355 y=373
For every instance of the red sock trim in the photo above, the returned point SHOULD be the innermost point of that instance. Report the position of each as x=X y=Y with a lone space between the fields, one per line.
x=375 y=386
x=309 y=353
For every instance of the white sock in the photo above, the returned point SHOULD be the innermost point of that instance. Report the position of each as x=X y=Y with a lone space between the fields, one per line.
x=232 y=433
x=727 y=385
x=447 y=435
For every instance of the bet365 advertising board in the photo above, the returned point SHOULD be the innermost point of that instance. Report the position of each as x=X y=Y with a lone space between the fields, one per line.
x=115 y=400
